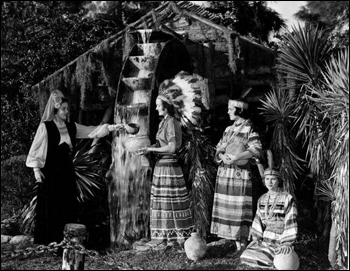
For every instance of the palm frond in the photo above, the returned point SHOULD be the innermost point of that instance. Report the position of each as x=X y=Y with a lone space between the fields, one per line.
x=277 y=108
x=304 y=56
x=88 y=172
x=28 y=215
x=198 y=154
x=324 y=191
x=321 y=114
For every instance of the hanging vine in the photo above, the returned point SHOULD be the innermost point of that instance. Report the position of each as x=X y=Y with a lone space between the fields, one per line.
x=234 y=51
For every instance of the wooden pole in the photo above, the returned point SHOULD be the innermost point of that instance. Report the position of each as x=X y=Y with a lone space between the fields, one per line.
x=73 y=259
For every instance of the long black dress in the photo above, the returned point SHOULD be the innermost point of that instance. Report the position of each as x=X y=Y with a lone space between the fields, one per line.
x=57 y=195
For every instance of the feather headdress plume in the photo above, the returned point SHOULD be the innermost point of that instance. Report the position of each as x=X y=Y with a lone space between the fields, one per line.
x=271 y=170
x=184 y=93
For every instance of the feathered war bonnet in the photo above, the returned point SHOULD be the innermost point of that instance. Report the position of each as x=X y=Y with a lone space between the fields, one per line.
x=183 y=92
x=271 y=170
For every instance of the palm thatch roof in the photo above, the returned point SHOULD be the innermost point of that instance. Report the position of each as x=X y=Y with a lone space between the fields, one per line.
x=75 y=77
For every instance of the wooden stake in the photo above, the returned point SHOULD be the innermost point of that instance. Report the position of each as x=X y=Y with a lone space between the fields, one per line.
x=73 y=259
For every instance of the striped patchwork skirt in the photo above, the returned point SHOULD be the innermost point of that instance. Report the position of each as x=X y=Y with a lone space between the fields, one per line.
x=232 y=213
x=259 y=255
x=171 y=216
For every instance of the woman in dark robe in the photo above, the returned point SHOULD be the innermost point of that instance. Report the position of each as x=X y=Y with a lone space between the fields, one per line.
x=50 y=156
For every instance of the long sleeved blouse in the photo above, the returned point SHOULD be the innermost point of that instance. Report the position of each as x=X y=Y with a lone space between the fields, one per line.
x=38 y=151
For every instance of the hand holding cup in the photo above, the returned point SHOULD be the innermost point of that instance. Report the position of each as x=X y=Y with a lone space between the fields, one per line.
x=142 y=151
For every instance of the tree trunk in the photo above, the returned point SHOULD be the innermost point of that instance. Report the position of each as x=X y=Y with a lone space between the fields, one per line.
x=113 y=214
x=332 y=252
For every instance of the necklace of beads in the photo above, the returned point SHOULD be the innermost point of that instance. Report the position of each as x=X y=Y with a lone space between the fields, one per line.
x=269 y=213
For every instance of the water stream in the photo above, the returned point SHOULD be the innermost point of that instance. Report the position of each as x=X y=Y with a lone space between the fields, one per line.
x=145 y=36
x=131 y=185
x=129 y=194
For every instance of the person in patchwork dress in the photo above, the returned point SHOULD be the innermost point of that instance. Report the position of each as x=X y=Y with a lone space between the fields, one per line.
x=274 y=229
x=232 y=213
x=171 y=218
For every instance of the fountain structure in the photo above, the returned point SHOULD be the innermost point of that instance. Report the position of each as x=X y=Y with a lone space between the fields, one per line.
x=129 y=189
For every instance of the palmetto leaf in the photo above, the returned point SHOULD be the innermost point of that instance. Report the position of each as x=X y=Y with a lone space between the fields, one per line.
x=89 y=179
x=321 y=113
x=277 y=108
x=28 y=215
x=88 y=173
x=325 y=191
x=305 y=54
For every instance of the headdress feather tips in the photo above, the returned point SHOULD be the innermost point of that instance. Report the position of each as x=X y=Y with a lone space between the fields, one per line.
x=184 y=93
x=269 y=159
x=270 y=170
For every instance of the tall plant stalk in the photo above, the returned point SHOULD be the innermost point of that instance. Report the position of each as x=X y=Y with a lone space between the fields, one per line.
x=197 y=155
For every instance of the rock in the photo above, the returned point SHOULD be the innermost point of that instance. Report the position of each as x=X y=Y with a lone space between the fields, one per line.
x=10 y=226
x=5 y=238
x=20 y=239
x=141 y=248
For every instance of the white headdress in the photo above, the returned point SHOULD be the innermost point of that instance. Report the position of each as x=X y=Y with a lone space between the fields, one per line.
x=54 y=101
x=184 y=93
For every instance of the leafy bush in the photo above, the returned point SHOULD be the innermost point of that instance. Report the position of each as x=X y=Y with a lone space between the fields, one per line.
x=17 y=182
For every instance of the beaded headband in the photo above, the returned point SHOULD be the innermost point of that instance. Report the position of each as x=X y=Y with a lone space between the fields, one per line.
x=238 y=104
x=272 y=172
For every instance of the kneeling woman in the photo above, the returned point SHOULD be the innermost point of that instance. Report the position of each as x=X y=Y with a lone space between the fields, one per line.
x=274 y=228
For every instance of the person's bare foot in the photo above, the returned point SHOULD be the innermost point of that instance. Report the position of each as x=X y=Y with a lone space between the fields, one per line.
x=237 y=253
x=241 y=246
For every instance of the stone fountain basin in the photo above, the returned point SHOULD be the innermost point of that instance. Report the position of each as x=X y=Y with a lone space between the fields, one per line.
x=138 y=83
x=143 y=62
x=150 y=49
